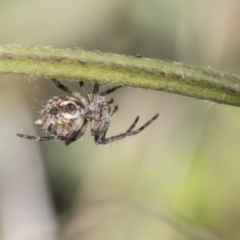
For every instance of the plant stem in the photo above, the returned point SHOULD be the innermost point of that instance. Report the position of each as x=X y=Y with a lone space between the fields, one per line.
x=75 y=65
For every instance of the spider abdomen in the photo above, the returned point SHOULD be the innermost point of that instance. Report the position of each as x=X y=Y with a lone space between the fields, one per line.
x=60 y=116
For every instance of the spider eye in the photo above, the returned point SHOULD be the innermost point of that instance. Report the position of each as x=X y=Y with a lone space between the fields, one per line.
x=70 y=108
x=54 y=111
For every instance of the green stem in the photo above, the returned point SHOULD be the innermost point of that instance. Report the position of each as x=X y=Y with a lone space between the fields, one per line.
x=203 y=83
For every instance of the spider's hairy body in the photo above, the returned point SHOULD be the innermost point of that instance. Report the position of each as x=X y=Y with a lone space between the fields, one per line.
x=66 y=117
x=59 y=116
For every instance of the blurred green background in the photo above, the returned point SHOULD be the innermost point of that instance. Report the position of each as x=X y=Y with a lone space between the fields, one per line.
x=178 y=179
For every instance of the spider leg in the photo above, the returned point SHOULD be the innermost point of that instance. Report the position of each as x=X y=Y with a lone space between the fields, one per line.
x=77 y=133
x=143 y=126
x=82 y=100
x=129 y=132
x=100 y=138
x=110 y=101
x=42 y=139
x=61 y=86
x=96 y=88
x=133 y=125
x=110 y=90
x=114 y=111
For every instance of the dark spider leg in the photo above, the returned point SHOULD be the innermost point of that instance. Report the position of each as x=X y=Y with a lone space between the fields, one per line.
x=41 y=139
x=114 y=111
x=108 y=91
x=83 y=86
x=96 y=88
x=130 y=128
x=133 y=125
x=110 y=101
x=126 y=134
x=77 y=133
x=77 y=95
x=61 y=86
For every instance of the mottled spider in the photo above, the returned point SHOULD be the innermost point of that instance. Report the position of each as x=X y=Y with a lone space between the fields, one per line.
x=67 y=117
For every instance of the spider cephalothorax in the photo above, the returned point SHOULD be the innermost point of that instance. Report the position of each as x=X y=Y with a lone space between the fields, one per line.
x=66 y=117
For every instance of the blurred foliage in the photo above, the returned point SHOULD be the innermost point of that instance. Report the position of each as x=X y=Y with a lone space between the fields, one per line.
x=186 y=163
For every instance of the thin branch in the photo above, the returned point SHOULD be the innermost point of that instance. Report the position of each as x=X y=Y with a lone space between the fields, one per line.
x=75 y=65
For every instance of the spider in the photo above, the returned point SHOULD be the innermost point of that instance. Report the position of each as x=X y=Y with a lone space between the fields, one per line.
x=66 y=117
